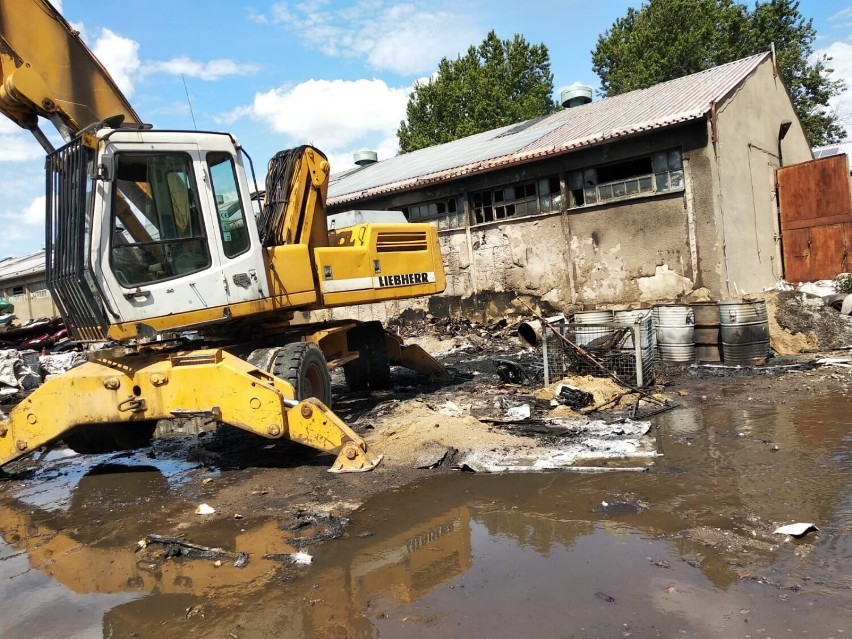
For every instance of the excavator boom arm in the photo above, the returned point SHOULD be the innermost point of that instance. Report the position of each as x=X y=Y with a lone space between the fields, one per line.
x=47 y=70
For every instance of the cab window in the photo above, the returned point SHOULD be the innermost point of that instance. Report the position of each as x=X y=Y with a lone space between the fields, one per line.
x=229 y=206
x=157 y=230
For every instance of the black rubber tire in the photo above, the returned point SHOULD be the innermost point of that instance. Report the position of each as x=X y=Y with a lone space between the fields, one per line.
x=94 y=439
x=303 y=366
x=371 y=371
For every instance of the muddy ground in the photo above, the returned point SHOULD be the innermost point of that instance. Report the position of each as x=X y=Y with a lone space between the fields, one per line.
x=127 y=523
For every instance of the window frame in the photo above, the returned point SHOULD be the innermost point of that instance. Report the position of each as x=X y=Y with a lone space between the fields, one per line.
x=413 y=214
x=238 y=201
x=195 y=208
x=507 y=199
x=660 y=182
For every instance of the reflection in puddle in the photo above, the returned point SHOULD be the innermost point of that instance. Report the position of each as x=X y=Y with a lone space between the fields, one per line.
x=685 y=550
x=51 y=489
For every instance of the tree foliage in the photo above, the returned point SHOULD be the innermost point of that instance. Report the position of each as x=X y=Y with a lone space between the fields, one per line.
x=497 y=83
x=666 y=39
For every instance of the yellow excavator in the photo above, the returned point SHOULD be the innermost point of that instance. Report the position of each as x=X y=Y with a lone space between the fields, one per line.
x=157 y=246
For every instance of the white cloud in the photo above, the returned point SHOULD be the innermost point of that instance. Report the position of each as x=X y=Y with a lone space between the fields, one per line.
x=120 y=56
x=404 y=38
x=841 y=61
x=335 y=115
x=279 y=13
x=23 y=229
x=19 y=147
x=842 y=15
x=16 y=144
x=209 y=71
x=33 y=215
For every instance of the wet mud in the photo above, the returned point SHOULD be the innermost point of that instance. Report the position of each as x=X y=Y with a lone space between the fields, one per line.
x=684 y=549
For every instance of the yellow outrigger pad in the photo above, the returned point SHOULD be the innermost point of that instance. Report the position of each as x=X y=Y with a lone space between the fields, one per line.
x=413 y=357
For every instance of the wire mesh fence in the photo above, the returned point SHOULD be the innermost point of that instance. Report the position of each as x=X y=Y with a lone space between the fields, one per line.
x=624 y=349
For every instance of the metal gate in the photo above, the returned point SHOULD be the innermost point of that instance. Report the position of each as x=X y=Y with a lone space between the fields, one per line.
x=815 y=205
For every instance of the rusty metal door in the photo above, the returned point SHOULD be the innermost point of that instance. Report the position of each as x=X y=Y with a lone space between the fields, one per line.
x=815 y=205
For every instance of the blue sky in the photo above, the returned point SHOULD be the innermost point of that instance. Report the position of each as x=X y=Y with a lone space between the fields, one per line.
x=334 y=73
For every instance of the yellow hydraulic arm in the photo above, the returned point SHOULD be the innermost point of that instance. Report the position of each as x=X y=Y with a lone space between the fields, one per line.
x=47 y=70
x=131 y=391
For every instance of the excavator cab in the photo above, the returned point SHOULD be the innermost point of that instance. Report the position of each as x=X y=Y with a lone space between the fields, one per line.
x=171 y=214
x=157 y=229
x=164 y=239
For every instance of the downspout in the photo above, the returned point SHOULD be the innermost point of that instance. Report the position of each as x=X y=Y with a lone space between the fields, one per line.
x=714 y=138
x=779 y=238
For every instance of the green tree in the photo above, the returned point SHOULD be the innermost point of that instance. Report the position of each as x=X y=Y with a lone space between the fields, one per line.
x=497 y=83
x=666 y=39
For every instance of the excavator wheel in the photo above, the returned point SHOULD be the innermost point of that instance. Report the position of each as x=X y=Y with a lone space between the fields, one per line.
x=371 y=371
x=303 y=366
x=92 y=439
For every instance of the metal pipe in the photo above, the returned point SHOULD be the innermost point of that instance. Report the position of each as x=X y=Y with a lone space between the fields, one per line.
x=531 y=332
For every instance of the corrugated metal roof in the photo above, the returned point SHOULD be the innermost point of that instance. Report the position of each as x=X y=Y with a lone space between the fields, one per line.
x=13 y=267
x=681 y=100
x=833 y=149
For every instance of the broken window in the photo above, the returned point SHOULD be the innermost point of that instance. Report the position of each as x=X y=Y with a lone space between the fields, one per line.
x=528 y=198
x=39 y=292
x=446 y=214
x=657 y=173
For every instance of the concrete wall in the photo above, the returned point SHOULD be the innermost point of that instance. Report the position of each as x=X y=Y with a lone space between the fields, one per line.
x=631 y=252
x=744 y=161
x=34 y=303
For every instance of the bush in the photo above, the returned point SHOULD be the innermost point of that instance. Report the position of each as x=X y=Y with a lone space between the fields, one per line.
x=843 y=283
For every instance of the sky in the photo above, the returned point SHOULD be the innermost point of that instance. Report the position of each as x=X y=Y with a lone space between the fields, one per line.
x=333 y=73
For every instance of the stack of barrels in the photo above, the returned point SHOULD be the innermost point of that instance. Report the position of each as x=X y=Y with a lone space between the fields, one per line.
x=734 y=331
x=675 y=326
x=707 y=332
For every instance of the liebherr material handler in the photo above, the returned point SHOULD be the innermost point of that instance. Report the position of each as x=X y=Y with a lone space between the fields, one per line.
x=153 y=239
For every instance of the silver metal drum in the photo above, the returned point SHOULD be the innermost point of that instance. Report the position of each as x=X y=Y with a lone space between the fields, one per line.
x=585 y=335
x=744 y=331
x=675 y=328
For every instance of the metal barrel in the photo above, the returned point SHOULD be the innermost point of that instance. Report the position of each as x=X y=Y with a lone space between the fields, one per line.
x=629 y=318
x=584 y=334
x=675 y=328
x=706 y=335
x=744 y=331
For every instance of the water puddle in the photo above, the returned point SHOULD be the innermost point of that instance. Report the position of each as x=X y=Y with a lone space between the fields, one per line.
x=684 y=550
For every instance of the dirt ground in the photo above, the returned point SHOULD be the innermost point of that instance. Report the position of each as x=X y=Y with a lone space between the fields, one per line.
x=89 y=522
x=424 y=430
